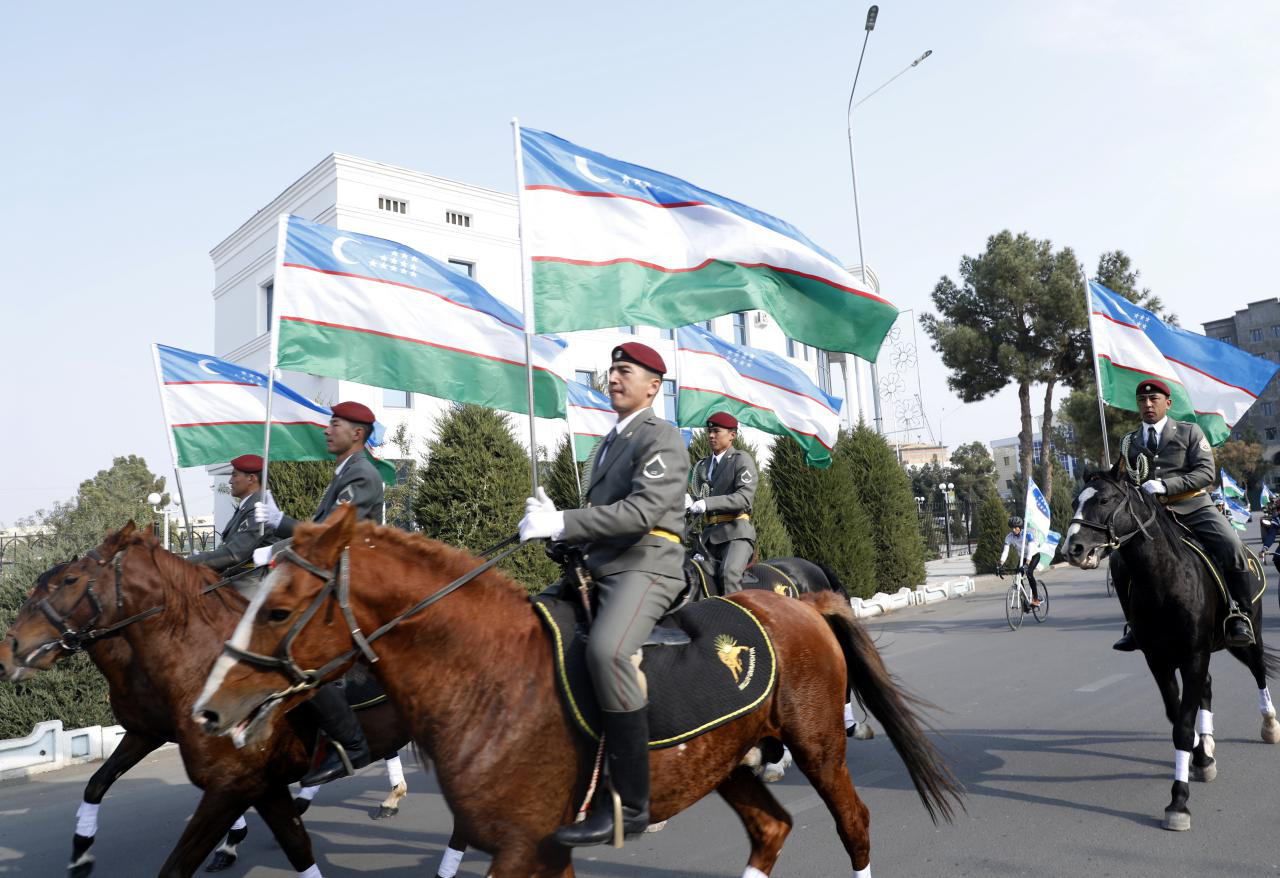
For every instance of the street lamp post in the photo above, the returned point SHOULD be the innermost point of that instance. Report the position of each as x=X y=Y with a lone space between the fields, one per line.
x=158 y=505
x=872 y=13
x=946 y=488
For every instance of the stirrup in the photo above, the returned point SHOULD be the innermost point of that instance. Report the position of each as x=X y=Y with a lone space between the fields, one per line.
x=1234 y=612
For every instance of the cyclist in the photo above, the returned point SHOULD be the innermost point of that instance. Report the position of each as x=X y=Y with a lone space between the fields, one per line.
x=1013 y=540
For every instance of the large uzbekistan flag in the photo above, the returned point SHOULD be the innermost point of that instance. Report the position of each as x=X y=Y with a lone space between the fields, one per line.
x=214 y=410
x=591 y=417
x=367 y=309
x=1213 y=383
x=614 y=244
x=759 y=388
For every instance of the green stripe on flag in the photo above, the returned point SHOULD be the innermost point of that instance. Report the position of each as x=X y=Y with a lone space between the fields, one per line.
x=212 y=444
x=383 y=361
x=625 y=293
x=584 y=445
x=1120 y=389
x=698 y=405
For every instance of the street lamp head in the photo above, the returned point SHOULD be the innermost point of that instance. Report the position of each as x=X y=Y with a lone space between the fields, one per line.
x=154 y=499
x=927 y=53
x=871 y=17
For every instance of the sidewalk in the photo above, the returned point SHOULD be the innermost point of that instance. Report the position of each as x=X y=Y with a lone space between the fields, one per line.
x=943 y=569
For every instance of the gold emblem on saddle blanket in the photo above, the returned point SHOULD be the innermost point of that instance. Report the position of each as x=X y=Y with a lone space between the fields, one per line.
x=730 y=654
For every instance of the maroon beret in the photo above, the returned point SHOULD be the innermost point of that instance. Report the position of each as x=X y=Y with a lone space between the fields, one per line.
x=248 y=463
x=355 y=412
x=723 y=419
x=641 y=355
x=1153 y=385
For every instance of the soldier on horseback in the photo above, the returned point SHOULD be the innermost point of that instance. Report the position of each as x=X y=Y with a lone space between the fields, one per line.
x=725 y=484
x=1182 y=469
x=240 y=536
x=630 y=534
x=355 y=481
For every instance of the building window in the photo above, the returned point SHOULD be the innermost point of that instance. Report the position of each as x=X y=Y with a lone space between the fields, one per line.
x=396 y=399
x=1255 y=334
x=454 y=218
x=824 y=371
x=791 y=347
x=707 y=325
x=669 y=400
x=585 y=376
x=1268 y=409
x=629 y=330
x=740 y=328
x=395 y=205
x=268 y=296
x=668 y=334
x=1275 y=330
x=1006 y=460
x=462 y=266
x=1271 y=433
x=1229 y=339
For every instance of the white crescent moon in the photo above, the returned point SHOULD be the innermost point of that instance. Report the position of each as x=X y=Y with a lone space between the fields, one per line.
x=337 y=250
x=204 y=364
x=585 y=171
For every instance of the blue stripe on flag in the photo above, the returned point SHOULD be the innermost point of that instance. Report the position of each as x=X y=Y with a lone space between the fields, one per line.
x=763 y=366
x=587 y=397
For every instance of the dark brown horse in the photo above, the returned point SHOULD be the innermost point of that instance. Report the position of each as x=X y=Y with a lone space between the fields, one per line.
x=154 y=668
x=473 y=676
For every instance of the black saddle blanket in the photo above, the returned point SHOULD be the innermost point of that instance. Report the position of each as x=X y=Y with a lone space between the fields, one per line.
x=726 y=670
x=362 y=688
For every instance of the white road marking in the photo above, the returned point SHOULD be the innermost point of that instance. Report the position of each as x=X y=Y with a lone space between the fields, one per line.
x=14 y=813
x=1103 y=683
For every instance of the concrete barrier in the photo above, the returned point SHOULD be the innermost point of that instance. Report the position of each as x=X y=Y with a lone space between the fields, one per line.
x=50 y=747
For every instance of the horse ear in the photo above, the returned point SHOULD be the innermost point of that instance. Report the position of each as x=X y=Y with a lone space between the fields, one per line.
x=338 y=529
x=1120 y=468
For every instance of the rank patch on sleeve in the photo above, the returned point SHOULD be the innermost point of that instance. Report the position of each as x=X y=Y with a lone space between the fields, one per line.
x=654 y=468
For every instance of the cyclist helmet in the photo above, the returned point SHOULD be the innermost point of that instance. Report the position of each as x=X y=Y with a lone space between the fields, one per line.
x=1015 y=521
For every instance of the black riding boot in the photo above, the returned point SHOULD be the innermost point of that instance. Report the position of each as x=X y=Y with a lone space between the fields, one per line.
x=339 y=722
x=1126 y=643
x=626 y=739
x=1239 y=630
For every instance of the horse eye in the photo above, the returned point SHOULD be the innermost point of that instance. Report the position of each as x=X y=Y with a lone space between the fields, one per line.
x=278 y=615
x=69 y=580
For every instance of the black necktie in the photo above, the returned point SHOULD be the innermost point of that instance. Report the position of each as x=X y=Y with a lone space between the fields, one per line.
x=604 y=446
x=1151 y=441
x=711 y=469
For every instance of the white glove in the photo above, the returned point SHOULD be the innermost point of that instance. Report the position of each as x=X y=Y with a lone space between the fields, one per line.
x=541 y=524
x=262 y=556
x=697 y=507
x=539 y=503
x=688 y=501
x=265 y=511
x=1154 y=486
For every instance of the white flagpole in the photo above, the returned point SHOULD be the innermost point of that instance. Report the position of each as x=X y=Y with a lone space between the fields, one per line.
x=173 y=448
x=526 y=287
x=273 y=350
x=1097 y=374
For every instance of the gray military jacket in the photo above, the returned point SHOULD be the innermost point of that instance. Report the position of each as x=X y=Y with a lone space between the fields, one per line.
x=637 y=489
x=1184 y=461
x=239 y=539
x=730 y=491
x=358 y=484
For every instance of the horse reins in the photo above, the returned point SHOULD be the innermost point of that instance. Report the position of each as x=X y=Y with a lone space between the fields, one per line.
x=337 y=583
x=1106 y=527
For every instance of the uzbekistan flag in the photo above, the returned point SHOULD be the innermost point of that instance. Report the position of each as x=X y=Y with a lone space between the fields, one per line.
x=590 y=418
x=1265 y=496
x=614 y=244
x=759 y=388
x=1038 y=539
x=370 y=310
x=1231 y=488
x=1213 y=383
x=214 y=410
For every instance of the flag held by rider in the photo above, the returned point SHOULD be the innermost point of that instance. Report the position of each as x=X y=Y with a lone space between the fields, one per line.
x=371 y=310
x=615 y=244
x=759 y=388
x=1213 y=383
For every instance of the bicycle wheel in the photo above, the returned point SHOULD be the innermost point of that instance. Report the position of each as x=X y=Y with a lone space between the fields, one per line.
x=1041 y=612
x=1013 y=606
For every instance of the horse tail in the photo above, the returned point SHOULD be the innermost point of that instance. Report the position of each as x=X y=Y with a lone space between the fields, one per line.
x=420 y=756
x=1271 y=662
x=898 y=710
x=833 y=581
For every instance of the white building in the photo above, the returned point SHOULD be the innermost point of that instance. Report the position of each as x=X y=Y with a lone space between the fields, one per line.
x=472 y=228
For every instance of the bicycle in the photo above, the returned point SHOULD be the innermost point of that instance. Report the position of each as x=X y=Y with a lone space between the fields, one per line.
x=1017 y=602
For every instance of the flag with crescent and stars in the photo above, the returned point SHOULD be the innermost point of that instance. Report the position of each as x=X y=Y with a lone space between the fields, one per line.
x=1213 y=383
x=759 y=388
x=214 y=411
x=375 y=311
x=615 y=244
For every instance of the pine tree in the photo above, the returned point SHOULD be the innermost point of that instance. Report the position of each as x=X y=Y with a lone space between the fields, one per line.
x=298 y=485
x=471 y=489
x=993 y=525
x=823 y=515
x=772 y=539
x=885 y=491
x=563 y=477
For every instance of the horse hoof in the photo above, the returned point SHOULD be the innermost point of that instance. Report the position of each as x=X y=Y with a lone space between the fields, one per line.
x=220 y=862
x=656 y=827
x=384 y=812
x=1204 y=773
x=863 y=732
x=1177 y=821
x=301 y=805
x=82 y=868
x=1270 y=730
x=773 y=772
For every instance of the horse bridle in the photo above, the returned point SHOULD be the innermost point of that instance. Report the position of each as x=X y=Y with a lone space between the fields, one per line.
x=337 y=584
x=1106 y=527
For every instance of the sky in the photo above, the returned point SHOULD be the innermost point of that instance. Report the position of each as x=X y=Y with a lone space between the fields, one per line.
x=138 y=136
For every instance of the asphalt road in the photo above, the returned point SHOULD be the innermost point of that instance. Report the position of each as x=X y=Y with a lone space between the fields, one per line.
x=1061 y=743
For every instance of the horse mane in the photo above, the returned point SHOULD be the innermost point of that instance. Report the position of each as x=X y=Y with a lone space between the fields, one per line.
x=1173 y=532
x=183 y=581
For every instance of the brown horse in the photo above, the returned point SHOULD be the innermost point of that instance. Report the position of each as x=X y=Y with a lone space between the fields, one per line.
x=154 y=668
x=473 y=675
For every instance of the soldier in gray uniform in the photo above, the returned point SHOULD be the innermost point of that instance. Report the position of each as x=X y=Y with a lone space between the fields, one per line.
x=724 y=485
x=1182 y=471
x=630 y=533
x=355 y=481
x=240 y=536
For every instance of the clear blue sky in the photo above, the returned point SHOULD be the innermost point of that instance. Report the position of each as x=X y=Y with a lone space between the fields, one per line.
x=138 y=136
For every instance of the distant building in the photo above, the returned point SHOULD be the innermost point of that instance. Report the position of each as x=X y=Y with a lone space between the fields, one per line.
x=1005 y=454
x=921 y=453
x=1256 y=329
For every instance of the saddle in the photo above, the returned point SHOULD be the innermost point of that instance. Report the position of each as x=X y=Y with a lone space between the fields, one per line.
x=362 y=688
x=713 y=662
x=702 y=579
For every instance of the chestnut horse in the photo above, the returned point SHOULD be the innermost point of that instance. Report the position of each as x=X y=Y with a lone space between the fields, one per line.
x=154 y=668
x=471 y=671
